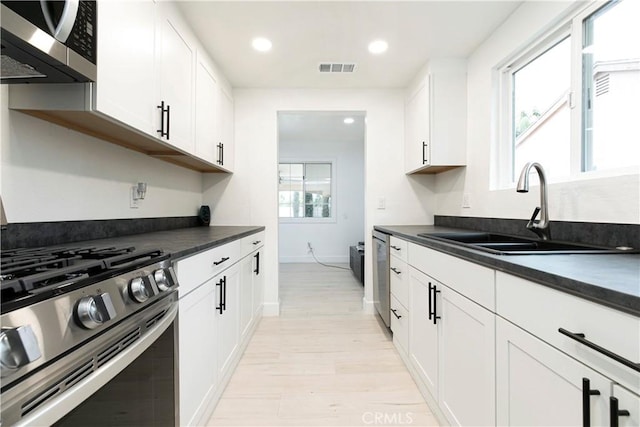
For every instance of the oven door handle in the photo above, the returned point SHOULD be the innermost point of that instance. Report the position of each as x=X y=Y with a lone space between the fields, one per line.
x=57 y=408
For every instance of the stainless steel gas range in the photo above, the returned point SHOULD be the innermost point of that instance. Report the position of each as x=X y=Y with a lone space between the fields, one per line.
x=89 y=337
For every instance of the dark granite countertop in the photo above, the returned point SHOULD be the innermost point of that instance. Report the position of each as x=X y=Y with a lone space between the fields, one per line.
x=608 y=279
x=180 y=242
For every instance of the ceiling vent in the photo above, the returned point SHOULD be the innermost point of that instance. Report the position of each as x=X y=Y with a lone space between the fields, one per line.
x=336 y=67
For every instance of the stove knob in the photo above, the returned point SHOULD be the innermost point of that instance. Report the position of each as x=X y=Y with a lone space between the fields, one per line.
x=93 y=311
x=138 y=290
x=161 y=280
x=18 y=346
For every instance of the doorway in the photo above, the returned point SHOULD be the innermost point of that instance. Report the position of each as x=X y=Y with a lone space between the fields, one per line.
x=321 y=180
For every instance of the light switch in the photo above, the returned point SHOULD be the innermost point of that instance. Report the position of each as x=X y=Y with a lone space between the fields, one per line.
x=382 y=203
x=466 y=200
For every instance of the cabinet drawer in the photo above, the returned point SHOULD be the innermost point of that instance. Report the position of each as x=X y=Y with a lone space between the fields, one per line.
x=197 y=269
x=398 y=248
x=542 y=311
x=399 y=279
x=471 y=280
x=399 y=324
x=251 y=243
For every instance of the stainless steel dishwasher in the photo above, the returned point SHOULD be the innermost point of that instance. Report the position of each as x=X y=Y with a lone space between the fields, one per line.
x=381 y=291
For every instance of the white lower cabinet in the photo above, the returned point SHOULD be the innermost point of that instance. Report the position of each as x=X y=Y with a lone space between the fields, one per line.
x=487 y=348
x=467 y=360
x=197 y=341
x=219 y=308
x=228 y=311
x=257 y=280
x=423 y=331
x=628 y=407
x=451 y=348
x=538 y=385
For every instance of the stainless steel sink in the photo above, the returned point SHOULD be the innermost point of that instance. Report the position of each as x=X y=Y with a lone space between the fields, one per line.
x=504 y=244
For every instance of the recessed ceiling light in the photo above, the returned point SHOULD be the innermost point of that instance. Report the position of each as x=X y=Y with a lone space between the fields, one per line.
x=261 y=44
x=378 y=46
x=349 y=120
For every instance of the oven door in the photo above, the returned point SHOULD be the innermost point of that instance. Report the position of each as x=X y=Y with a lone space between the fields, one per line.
x=127 y=376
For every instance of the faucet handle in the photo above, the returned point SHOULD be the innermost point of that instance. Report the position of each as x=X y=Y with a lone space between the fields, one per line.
x=533 y=217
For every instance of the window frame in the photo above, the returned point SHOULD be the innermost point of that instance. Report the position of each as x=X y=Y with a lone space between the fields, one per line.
x=332 y=218
x=570 y=24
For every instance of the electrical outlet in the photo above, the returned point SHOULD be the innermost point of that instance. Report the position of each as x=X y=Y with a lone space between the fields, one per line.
x=134 y=202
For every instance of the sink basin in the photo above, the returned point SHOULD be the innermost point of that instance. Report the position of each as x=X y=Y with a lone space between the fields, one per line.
x=504 y=244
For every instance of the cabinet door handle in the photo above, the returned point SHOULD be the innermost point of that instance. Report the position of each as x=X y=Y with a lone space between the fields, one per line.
x=257 y=257
x=430 y=302
x=425 y=156
x=433 y=297
x=220 y=308
x=395 y=313
x=586 y=401
x=221 y=260
x=257 y=242
x=168 y=120
x=220 y=160
x=581 y=339
x=615 y=412
x=163 y=110
x=224 y=293
x=395 y=270
x=395 y=248
x=435 y=302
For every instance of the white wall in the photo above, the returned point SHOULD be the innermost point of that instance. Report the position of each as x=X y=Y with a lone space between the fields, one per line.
x=250 y=196
x=331 y=240
x=596 y=197
x=50 y=173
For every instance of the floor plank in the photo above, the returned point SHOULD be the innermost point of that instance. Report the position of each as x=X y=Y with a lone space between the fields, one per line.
x=322 y=362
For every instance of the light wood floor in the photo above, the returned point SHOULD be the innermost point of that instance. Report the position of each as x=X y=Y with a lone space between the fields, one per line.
x=321 y=363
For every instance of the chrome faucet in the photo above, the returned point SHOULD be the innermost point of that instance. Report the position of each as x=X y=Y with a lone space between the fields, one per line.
x=541 y=226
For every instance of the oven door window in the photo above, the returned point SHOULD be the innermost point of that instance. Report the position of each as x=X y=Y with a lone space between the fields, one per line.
x=143 y=394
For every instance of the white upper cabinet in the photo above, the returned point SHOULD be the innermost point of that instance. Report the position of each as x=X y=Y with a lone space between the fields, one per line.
x=149 y=64
x=225 y=146
x=206 y=110
x=126 y=82
x=176 y=55
x=436 y=118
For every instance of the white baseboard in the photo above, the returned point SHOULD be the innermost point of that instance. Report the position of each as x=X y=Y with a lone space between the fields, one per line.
x=368 y=307
x=338 y=259
x=271 y=309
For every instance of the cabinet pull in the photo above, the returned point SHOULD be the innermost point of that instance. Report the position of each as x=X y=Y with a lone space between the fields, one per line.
x=432 y=312
x=395 y=270
x=395 y=247
x=168 y=120
x=221 y=261
x=257 y=242
x=586 y=401
x=257 y=257
x=224 y=293
x=396 y=314
x=163 y=110
x=425 y=157
x=615 y=413
x=220 y=160
x=581 y=339
x=220 y=308
x=430 y=303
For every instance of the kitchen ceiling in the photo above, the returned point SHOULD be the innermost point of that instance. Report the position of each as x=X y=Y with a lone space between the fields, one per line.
x=307 y=33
